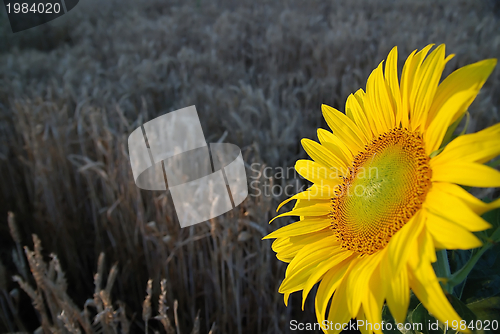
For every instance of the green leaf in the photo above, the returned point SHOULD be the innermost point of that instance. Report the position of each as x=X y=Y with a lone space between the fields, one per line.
x=481 y=264
x=484 y=280
x=388 y=319
x=492 y=217
x=463 y=311
x=436 y=152
x=482 y=288
x=457 y=259
x=427 y=323
x=486 y=309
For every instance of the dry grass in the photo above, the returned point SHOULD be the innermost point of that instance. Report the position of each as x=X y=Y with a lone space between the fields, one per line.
x=72 y=90
x=57 y=311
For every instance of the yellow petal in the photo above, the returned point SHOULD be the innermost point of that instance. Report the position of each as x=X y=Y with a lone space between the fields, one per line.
x=380 y=106
x=329 y=243
x=423 y=250
x=467 y=174
x=398 y=295
x=337 y=262
x=357 y=282
x=425 y=86
x=409 y=82
x=356 y=113
x=312 y=210
x=424 y=283
x=313 y=193
x=449 y=234
x=306 y=262
x=434 y=135
x=374 y=299
x=318 y=173
x=400 y=245
x=391 y=77
x=308 y=225
x=327 y=287
x=322 y=155
x=286 y=296
x=339 y=312
x=334 y=143
x=287 y=248
x=477 y=206
x=479 y=147
x=362 y=317
x=426 y=252
x=406 y=82
x=310 y=202
x=344 y=128
x=449 y=207
x=468 y=78
x=374 y=122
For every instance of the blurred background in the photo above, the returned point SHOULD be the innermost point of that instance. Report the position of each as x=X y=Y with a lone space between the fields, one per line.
x=72 y=90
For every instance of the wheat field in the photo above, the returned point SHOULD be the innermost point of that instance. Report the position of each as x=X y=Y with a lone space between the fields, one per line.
x=82 y=249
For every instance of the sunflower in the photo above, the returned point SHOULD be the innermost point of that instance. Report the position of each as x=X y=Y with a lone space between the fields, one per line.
x=386 y=192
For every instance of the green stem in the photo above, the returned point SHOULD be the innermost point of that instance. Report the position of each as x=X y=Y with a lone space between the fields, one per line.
x=442 y=268
x=462 y=274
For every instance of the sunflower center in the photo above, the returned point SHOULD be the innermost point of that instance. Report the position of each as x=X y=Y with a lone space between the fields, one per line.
x=386 y=186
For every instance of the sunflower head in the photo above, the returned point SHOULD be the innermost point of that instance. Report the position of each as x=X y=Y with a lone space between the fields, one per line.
x=386 y=194
x=385 y=187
